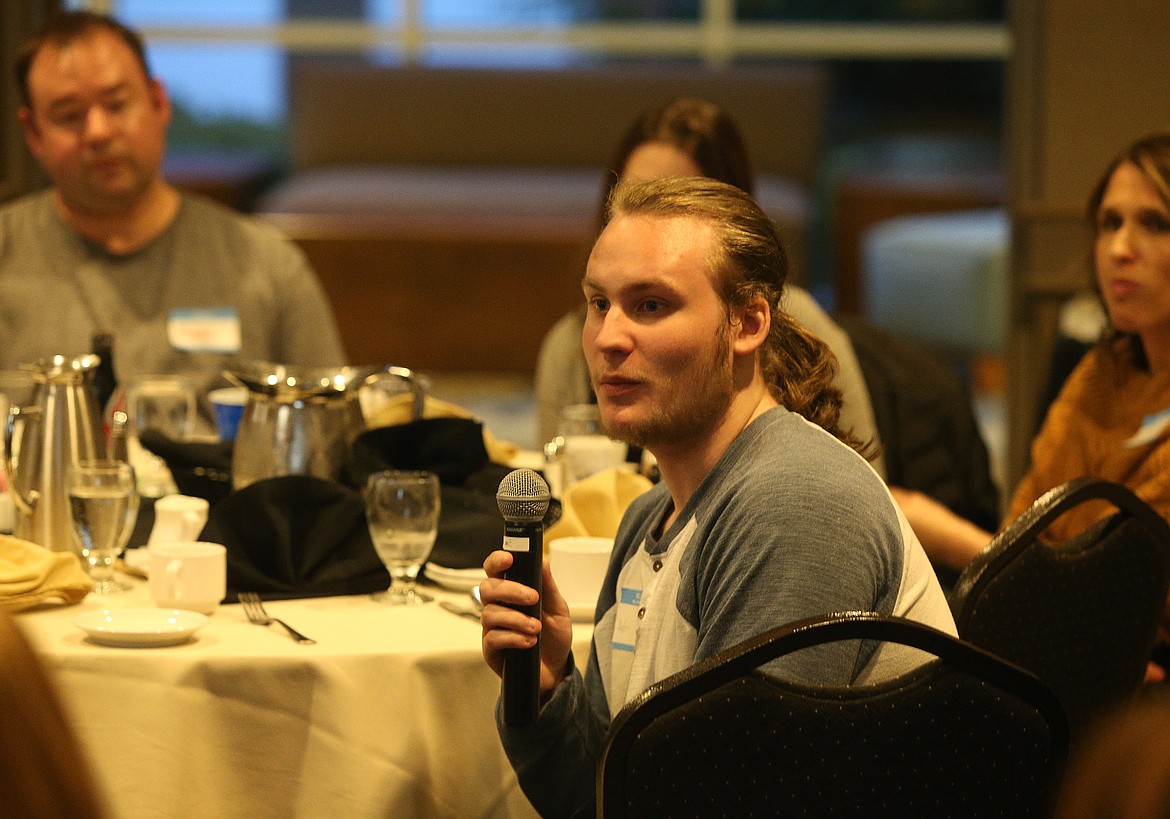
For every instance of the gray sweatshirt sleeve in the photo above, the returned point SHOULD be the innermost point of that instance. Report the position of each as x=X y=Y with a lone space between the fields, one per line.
x=556 y=758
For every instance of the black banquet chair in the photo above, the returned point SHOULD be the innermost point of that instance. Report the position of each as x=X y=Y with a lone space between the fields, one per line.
x=964 y=735
x=1083 y=614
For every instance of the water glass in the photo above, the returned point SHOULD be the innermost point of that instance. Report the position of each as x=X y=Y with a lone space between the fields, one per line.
x=165 y=404
x=402 y=510
x=586 y=449
x=162 y=404
x=103 y=504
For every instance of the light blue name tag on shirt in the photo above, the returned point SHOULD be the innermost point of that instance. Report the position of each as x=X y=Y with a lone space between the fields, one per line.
x=625 y=627
x=204 y=330
x=1152 y=427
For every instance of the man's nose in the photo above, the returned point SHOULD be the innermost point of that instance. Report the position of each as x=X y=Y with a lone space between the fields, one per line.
x=614 y=331
x=98 y=124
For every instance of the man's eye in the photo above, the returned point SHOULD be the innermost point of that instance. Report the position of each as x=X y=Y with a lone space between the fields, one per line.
x=599 y=304
x=67 y=119
x=652 y=306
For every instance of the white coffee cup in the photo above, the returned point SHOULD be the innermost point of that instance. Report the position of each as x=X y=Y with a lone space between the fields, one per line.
x=176 y=518
x=188 y=575
x=579 y=564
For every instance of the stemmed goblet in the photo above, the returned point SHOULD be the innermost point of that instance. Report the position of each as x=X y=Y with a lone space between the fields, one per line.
x=402 y=510
x=103 y=503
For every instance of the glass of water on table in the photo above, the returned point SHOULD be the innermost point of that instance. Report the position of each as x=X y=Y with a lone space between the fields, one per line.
x=163 y=404
x=402 y=510
x=103 y=503
x=587 y=450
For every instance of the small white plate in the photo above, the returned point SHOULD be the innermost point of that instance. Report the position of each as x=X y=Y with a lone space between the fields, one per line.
x=455 y=579
x=140 y=628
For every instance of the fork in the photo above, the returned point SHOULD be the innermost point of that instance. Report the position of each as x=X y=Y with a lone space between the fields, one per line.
x=256 y=613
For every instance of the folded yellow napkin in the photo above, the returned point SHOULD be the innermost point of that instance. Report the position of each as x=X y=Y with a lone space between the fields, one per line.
x=397 y=410
x=31 y=575
x=593 y=507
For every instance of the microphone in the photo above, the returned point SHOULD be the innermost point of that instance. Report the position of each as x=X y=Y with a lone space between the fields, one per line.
x=523 y=499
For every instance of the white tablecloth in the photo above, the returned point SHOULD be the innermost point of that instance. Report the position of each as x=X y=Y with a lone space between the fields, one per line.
x=389 y=715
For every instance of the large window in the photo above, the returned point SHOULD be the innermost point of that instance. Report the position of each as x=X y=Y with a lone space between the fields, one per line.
x=226 y=61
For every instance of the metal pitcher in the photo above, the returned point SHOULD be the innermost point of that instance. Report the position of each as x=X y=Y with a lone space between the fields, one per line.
x=302 y=421
x=60 y=427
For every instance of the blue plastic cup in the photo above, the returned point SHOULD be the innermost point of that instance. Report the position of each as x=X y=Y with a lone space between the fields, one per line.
x=228 y=405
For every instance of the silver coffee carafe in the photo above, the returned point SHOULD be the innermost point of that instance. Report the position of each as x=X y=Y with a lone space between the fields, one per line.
x=60 y=427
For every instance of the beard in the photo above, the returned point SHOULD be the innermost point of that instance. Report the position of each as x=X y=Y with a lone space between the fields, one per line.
x=694 y=405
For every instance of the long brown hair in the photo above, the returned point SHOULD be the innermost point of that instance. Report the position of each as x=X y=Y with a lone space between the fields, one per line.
x=43 y=768
x=700 y=129
x=749 y=261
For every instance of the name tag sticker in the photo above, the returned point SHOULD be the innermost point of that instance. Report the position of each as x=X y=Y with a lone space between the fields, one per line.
x=204 y=330
x=516 y=544
x=625 y=627
x=1152 y=427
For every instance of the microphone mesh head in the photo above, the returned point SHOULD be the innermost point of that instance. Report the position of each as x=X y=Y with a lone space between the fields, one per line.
x=523 y=496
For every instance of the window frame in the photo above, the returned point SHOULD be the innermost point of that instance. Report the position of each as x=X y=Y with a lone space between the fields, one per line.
x=716 y=37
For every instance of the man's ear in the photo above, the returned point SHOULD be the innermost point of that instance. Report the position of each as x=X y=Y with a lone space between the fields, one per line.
x=750 y=325
x=159 y=98
x=28 y=127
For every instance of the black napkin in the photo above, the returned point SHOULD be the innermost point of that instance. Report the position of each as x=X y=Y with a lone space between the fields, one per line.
x=452 y=448
x=470 y=526
x=296 y=536
x=199 y=469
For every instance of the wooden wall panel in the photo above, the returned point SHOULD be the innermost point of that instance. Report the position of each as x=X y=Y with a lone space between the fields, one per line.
x=404 y=297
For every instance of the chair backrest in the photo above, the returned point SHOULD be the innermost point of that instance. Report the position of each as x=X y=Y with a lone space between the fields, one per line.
x=964 y=735
x=1081 y=615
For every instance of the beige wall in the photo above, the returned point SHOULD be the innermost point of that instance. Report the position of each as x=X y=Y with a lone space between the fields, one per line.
x=1086 y=78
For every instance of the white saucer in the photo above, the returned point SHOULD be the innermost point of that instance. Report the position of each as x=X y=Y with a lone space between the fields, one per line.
x=455 y=579
x=140 y=628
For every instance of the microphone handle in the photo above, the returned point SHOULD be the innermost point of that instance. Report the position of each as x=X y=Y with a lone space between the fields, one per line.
x=525 y=540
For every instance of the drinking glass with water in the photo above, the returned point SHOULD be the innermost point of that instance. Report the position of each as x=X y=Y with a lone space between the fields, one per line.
x=103 y=503
x=165 y=405
x=402 y=510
